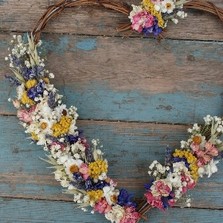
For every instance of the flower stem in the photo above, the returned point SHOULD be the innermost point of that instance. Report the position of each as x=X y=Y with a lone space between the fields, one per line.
x=143 y=208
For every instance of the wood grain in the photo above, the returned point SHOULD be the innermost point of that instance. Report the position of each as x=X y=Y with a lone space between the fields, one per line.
x=135 y=80
x=93 y=21
x=54 y=212
x=129 y=148
x=180 y=76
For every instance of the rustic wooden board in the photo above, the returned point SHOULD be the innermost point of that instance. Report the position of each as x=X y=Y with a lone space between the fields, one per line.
x=138 y=81
x=129 y=148
x=93 y=21
x=180 y=76
x=53 y=212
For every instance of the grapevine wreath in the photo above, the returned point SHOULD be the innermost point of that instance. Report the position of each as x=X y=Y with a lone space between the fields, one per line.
x=79 y=166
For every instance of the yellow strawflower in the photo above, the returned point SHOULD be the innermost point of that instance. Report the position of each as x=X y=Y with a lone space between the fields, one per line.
x=191 y=159
x=95 y=195
x=62 y=127
x=26 y=100
x=30 y=83
x=97 y=168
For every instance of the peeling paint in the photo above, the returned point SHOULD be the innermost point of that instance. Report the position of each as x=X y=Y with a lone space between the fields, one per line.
x=99 y=101
x=165 y=107
x=87 y=44
x=59 y=47
x=102 y=102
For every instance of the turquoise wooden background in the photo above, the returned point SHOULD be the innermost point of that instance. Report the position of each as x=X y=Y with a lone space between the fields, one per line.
x=135 y=94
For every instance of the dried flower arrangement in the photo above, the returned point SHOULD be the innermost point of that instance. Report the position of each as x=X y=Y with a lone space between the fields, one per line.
x=80 y=166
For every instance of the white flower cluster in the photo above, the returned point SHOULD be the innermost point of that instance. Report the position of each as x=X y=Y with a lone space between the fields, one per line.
x=168 y=7
x=195 y=129
x=175 y=178
x=209 y=169
x=213 y=127
x=157 y=170
x=216 y=122
x=172 y=177
x=116 y=214
x=22 y=49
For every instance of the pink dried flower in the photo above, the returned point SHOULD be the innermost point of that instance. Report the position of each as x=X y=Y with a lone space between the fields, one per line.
x=154 y=201
x=84 y=170
x=60 y=145
x=211 y=149
x=102 y=207
x=131 y=215
x=26 y=115
x=142 y=20
x=161 y=188
x=190 y=183
x=171 y=202
x=204 y=154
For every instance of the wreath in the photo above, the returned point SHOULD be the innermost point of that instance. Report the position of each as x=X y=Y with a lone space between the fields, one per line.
x=79 y=165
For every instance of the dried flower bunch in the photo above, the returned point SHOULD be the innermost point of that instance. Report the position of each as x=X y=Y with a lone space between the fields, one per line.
x=79 y=165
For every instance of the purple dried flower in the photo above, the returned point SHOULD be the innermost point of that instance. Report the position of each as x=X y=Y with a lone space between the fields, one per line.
x=36 y=91
x=125 y=199
x=32 y=72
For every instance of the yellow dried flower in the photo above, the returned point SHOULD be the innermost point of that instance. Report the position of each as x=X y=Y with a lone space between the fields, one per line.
x=26 y=100
x=97 y=168
x=95 y=195
x=191 y=159
x=34 y=136
x=30 y=83
x=62 y=127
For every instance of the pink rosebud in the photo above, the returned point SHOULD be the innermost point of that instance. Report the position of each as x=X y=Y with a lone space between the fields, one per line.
x=112 y=183
x=184 y=190
x=191 y=184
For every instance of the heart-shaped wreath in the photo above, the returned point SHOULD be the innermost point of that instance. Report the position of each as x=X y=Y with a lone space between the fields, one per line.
x=80 y=166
